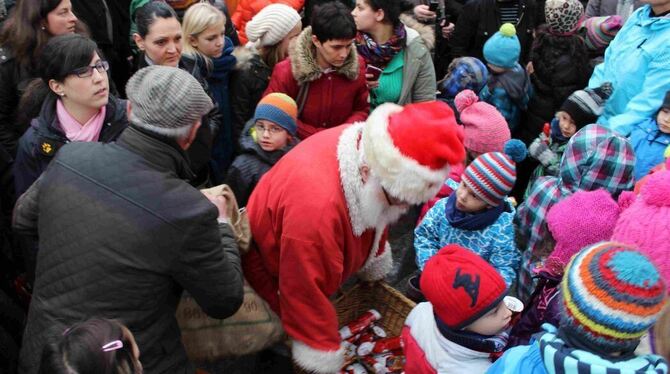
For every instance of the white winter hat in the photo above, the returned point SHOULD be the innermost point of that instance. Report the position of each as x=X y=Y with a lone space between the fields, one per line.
x=271 y=24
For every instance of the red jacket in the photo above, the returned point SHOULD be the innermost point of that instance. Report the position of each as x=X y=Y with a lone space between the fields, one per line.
x=308 y=243
x=334 y=98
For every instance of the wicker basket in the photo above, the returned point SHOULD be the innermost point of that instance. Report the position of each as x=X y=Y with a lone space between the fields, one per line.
x=393 y=306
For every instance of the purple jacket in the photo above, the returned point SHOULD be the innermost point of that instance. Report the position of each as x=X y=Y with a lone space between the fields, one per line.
x=543 y=308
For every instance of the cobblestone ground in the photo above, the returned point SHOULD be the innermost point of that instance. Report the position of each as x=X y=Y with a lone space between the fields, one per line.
x=401 y=237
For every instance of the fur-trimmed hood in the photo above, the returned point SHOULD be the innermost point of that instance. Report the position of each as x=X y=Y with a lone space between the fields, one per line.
x=246 y=56
x=303 y=60
x=426 y=32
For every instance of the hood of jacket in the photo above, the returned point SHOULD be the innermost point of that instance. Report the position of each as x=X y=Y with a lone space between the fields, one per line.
x=249 y=146
x=559 y=358
x=425 y=32
x=303 y=60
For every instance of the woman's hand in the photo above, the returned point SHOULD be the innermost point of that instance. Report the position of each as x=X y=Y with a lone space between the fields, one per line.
x=448 y=30
x=423 y=13
x=370 y=83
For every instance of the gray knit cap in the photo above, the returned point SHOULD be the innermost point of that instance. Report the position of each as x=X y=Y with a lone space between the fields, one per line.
x=166 y=100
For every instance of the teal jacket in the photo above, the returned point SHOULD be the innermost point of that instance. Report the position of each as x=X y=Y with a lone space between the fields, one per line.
x=549 y=355
x=636 y=62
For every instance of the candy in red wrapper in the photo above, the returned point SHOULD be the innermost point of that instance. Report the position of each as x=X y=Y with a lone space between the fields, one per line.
x=366 y=337
x=375 y=365
x=378 y=331
x=360 y=324
x=388 y=344
x=380 y=346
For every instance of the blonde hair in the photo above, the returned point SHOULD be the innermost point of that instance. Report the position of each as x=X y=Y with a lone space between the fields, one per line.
x=197 y=19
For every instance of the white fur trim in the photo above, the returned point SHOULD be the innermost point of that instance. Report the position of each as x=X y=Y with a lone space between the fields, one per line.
x=377 y=267
x=316 y=361
x=402 y=176
x=350 y=177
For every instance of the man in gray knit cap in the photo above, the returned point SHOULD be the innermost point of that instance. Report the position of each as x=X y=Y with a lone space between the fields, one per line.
x=121 y=233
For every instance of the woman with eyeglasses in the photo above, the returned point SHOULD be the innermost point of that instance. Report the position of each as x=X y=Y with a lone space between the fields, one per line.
x=73 y=90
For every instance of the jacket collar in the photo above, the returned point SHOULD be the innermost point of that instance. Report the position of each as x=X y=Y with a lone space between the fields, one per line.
x=303 y=60
x=162 y=152
x=50 y=136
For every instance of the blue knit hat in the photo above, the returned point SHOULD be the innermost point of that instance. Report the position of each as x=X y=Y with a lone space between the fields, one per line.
x=491 y=176
x=280 y=109
x=612 y=294
x=503 y=48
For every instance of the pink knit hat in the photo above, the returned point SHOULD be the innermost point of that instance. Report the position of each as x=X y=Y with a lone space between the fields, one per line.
x=582 y=219
x=485 y=128
x=646 y=223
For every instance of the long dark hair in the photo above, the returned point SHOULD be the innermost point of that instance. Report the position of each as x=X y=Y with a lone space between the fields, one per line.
x=79 y=349
x=392 y=9
x=147 y=15
x=23 y=31
x=60 y=56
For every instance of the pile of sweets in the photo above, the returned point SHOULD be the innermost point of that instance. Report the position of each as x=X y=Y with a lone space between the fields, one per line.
x=368 y=349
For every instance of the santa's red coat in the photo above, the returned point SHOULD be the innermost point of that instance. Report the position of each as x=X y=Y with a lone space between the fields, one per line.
x=308 y=243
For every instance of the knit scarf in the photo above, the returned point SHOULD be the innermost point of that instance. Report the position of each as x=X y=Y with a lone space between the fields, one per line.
x=561 y=357
x=380 y=55
x=471 y=340
x=471 y=222
x=76 y=132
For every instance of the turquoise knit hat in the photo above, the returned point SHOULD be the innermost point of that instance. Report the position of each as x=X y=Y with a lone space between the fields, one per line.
x=503 y=48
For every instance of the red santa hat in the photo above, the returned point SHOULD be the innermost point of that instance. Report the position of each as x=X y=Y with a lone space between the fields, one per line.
x=410 y=148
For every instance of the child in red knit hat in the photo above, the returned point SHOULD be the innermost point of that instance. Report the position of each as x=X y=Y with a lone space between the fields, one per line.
x=463 y=322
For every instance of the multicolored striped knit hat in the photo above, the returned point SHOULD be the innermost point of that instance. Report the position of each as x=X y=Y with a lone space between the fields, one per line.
x=491 y=176
x=280 y=109
x=612 y=294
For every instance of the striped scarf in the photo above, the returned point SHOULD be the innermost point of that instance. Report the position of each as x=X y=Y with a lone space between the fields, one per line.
x=559 y=358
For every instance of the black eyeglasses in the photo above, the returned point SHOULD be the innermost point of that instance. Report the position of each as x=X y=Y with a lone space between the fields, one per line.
x=87 y=71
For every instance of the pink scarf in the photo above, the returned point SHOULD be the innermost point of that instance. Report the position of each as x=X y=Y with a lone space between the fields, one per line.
x=74 y=131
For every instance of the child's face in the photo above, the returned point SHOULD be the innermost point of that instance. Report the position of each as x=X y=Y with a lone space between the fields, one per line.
x=566 y=124
x=493 y=322
x=211 y=41
x=663 y=120
x=270 y=136
x=467 y=201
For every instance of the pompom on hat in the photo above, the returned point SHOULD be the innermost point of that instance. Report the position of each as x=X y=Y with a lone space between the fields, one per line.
x=411 y=148
x=646 y=222
x=582 y=219
x=492 y=175
x=461 y=286
x=503 y=48
x=271 y=25
x=484 y=127
x=612 y=294
x=166 y=99
x=563 y=16
x=600 y=31
x=585 y=106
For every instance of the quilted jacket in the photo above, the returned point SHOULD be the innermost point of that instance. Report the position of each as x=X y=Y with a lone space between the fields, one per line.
x=121 y=234
x=494 y=243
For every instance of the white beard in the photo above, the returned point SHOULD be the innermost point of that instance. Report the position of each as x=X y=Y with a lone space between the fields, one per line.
x=375 y=210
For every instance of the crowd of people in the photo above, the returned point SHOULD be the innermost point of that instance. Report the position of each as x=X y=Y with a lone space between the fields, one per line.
x=531 y=138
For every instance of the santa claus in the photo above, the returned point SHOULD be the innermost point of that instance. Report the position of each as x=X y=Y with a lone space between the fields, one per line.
x=320 y=214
